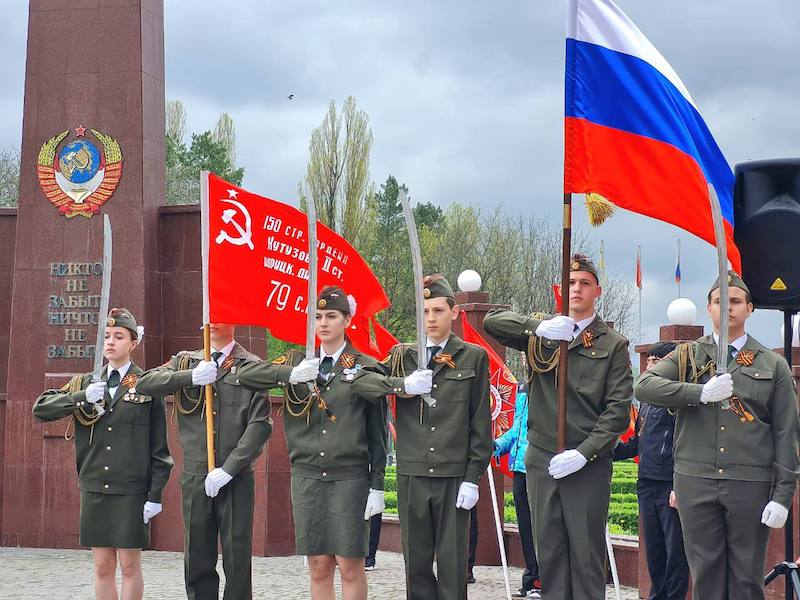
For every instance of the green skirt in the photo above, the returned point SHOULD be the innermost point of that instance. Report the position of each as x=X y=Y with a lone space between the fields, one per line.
x=329 y=517
x=113 y=521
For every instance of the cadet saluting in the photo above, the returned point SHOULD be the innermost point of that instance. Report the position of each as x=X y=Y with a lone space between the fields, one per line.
x=735 y=468
x=570 y=490
x=122 y=458
x=442 y=450
x=337 y=448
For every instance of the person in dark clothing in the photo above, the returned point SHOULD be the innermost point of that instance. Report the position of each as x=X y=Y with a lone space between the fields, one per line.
x=473 y=543
x=375 y=523
x=661 y=526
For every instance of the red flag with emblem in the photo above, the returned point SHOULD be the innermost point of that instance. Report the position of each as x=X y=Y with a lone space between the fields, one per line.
x=258 y=267
x=502 y=389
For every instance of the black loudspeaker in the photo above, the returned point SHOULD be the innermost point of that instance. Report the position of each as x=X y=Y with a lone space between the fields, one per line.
x=766 y=213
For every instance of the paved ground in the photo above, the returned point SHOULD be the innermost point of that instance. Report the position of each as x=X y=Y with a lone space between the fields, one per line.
x=36 y=574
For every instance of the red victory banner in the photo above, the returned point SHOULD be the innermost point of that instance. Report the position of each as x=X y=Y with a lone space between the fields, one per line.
x=258 y=268
x=502 y=388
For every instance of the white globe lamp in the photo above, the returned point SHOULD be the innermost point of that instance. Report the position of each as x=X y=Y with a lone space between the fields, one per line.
x=681 y=311
x=469 y=281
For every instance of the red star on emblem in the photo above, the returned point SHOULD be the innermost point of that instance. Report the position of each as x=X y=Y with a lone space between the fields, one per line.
x=80 y=130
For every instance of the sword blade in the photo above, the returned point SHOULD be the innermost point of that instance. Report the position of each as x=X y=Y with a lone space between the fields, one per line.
x=312 y=278
x=416 y=260
x=105 y=294
x=724 y=302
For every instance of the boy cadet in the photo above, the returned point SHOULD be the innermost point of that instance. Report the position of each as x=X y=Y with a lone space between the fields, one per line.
x=219 y=504
x=442 y=450
x=570 y=490
x=735 y=466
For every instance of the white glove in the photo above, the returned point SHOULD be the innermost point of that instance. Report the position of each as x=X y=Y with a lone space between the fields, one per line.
x=375 y=504
x=419 y=382
x=557 y=328
x=716 y=389
x=307 y=370
x=467 y=495
x=774 y=515
x=150 y=510
x=566 y=463
x=215 y=481
x=204 y=373
x=95 y=392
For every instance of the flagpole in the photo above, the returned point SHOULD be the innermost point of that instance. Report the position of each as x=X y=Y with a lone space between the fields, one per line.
x=639 y=285
x=602 y=274
x=209 y=390
x=678 y=266
x=561 y=429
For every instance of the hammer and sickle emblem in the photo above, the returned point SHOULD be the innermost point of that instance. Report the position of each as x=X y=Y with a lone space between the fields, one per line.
x=245 y=233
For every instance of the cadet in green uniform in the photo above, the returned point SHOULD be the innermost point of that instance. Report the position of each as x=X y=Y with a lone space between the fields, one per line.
x=219 y=504
x=337 y=449
x=122 y=458
x=570 y=490
x=736 y=460
x=442 y=450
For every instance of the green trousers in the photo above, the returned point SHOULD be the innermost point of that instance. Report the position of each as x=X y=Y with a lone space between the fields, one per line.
x=431 y=525
x=725 y=541
x=569 y=526
x=229 y=518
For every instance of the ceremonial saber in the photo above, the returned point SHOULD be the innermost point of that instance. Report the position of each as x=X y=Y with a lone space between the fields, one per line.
x=561 y=385
x=311 y=315
x=105 y=295
x=209 y=390
x=724 y=301
x=416 y=259
x=499 y=527
x=613 y=563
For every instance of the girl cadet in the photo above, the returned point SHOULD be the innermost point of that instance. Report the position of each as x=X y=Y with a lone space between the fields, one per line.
x=337 y=448
x=122 y=458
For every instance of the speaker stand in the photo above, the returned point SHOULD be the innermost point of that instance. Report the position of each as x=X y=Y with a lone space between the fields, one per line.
x=788 y=568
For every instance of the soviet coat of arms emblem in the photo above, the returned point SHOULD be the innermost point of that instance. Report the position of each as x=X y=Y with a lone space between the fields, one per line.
x=77 y=177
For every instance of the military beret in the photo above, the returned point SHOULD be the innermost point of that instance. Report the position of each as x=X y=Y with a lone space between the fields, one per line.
x=733 y=281
x=122 y=317
x=332 y=297
x=581 y=262
x=436 y=286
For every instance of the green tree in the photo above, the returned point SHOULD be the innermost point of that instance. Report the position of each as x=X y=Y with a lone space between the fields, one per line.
x=207 y=151
x=9 y=177
x=388 y=254
x=337 y=175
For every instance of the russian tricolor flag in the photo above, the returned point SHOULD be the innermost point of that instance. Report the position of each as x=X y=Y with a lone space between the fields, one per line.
x=632 y=131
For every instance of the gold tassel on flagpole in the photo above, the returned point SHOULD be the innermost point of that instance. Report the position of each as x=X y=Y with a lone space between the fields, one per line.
x=599 y=208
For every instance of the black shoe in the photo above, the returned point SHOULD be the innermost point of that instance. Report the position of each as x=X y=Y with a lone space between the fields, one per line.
x=470 y=578
x=369 y=564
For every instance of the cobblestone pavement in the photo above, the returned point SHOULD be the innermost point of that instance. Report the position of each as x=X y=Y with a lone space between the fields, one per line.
x=43 y=574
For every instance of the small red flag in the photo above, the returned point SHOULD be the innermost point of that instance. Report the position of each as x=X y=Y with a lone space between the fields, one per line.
x=639 y=267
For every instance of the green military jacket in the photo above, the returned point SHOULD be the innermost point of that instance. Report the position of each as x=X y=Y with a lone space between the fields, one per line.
x=242 y=422
x=758 y=444
x=454 y=438
x=599 y=383
x=125 y=451
x=346 y=438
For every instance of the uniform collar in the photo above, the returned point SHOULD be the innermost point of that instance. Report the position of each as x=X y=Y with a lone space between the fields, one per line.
x=335 y=356
x=584 y=323
x=123 y=370
x=430 y=343
x=738 y=343
x=226 y=351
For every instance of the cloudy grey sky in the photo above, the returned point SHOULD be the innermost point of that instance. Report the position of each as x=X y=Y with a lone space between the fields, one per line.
x=465 y=100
